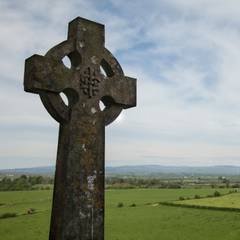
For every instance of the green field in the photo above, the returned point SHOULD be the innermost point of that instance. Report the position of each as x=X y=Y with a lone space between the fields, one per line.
x=30 y=196
x=227 y=201
x=140 y=222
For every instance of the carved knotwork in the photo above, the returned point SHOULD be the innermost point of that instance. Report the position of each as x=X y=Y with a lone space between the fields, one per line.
x=89 y=82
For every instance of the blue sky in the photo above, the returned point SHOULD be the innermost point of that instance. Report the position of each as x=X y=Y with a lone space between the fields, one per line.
x=185 y=55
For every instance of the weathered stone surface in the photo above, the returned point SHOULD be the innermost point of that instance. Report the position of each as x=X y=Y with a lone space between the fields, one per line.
x=78 y=202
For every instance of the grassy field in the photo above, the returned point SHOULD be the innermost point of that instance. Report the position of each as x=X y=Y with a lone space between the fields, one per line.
x=30 y=196
x=168 y=223
x=20 y=201
x=164 y=222
x=136 y=223
x=227 y=201
x=144 y=196
x=26 y=227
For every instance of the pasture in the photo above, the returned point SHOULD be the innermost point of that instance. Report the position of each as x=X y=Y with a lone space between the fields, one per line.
x=227 y=201
x=144 y=221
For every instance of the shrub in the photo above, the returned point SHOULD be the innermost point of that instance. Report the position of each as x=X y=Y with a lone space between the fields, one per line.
x=8 y=215
x=174 y=186
x=209 y=195
x=133 y=205
x=163 y=186
x=120 y=204
x=197 y=196
x=217 y=194
x=116 y=186
x=181 y=198
x=31 y=210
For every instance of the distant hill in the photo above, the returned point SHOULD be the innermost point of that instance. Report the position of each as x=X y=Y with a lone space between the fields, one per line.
x=34 y=170
x=222 y=169
x=180 y=169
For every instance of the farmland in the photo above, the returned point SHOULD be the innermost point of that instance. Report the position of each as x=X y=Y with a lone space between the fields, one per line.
x=144 y=221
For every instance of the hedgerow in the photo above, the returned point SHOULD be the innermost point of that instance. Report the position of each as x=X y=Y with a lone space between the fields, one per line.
x=8 y=215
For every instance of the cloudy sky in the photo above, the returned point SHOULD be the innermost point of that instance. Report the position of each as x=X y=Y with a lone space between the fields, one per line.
x=185 y=55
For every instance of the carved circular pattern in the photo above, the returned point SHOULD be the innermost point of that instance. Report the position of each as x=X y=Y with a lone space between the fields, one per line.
x=53 y=101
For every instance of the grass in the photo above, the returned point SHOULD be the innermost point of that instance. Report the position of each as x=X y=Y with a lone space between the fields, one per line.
x=27 y=227
x=30 y=196
x=144 y=196
x=36 y=199
x=22 y=208
x=164 y=222
x=126 y=223
x=227 y=201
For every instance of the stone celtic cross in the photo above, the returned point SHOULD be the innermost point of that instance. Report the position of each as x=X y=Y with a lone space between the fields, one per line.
x=78 y=200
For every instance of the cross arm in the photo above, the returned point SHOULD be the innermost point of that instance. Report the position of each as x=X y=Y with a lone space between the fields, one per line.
x=123 y=90
x=42 y=73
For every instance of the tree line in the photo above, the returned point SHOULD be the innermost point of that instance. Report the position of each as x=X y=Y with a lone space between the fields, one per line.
x=129 y=183
x=24 y=183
